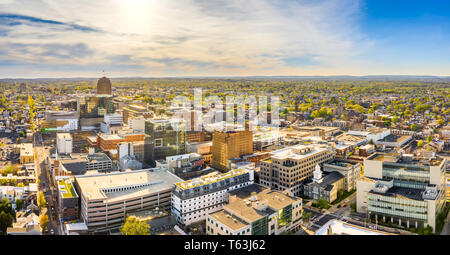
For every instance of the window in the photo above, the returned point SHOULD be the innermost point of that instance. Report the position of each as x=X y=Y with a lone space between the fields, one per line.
x=158 y=142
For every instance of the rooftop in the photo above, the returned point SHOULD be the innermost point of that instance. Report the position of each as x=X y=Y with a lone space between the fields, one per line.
x=64 y=136
x=297 y=152
x=125 y=185
x=66 y=188
x=403 y=193
x=232 y=222
x=342 y=228
x=248 y=199
x=210 y=178
x=341 y=163
x=406 y=159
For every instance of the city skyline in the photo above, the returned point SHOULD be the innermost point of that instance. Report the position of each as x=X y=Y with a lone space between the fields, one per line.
x=48 y=39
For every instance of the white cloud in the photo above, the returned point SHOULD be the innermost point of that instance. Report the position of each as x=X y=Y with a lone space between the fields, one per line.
x=186 y=37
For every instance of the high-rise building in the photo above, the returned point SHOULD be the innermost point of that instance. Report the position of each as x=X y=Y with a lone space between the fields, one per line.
x=402 y=189
x=164 y=138
x=104 y=86
x=92 y=110
x=289 y=168
x=228 y=145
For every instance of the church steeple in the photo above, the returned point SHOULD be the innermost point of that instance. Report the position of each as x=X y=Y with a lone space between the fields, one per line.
x=317 y=174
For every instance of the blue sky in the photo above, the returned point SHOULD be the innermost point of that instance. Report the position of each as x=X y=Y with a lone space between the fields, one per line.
x=47 y=38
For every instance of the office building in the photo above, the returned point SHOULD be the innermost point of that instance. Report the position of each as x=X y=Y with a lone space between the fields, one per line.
x=107 y=199
x=229 y=145
x=194 y=199
x=137 y=124
x=104 y=86
x=163 y=138
x=349 y=169
x=64 y=143
x=255 y=210
x=68 y=200
x=402 y=189
x=60 y=121
x=290 y=167
x=26 y=153
x=77 y=164
x=136 y=111
x=92 y=110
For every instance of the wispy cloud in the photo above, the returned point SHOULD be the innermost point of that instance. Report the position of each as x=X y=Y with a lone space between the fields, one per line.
x=16 y=20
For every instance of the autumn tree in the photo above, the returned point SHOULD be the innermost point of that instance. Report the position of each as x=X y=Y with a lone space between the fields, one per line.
x=133 y=226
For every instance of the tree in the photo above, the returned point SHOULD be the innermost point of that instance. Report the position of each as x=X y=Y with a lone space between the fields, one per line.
x=307 y=216
x=41 y=200
x=133 y=226
x=429 y=138
x=19 y=204
x=5 y=206
x=414 y=127
x=10 y=169
x=43 y=221
x=419 y=143
x=6 y=221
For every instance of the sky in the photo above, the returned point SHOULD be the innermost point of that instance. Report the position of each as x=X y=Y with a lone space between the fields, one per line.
x=176 y=38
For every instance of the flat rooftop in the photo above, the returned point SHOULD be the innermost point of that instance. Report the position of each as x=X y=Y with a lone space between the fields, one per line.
x=232 y=222
x=342 y=228
x=396 y=158
x=26 y=149
x=341 y=163
x=66 y=188
x=210 y=178
x=64 y=135
x=403 y=193
x=139 y=183
x=244 y=207
x=395 y=138
x=297 y=152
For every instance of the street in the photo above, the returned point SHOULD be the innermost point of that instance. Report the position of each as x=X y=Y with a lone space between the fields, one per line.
x=45 y=185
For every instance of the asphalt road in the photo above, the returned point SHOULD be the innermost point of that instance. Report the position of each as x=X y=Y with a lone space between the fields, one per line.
x=45 y=186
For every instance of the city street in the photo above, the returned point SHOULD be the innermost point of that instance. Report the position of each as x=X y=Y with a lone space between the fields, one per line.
x=45 y=186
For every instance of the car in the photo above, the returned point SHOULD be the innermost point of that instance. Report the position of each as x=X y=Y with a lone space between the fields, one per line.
x=345 y=205
x=52 y=231
x=372 y=227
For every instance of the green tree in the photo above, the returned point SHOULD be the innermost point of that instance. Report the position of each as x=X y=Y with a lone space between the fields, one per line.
x=6 y=221
x=133 y=226
x=19 y=204
x=307 y=216
x=429 y=138
x=5 y=206
x=414 y=127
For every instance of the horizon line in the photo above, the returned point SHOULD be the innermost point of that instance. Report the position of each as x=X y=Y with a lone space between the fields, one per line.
x=233 y=76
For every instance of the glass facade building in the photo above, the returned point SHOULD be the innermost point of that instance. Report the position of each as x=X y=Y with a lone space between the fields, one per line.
x=95 y=106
